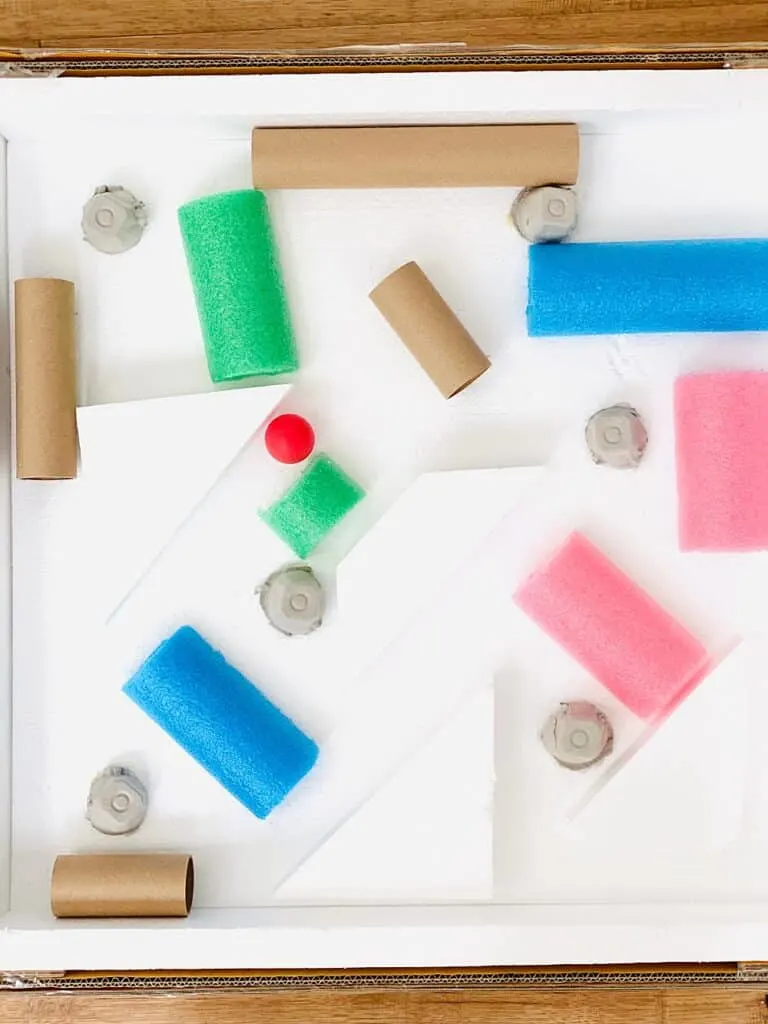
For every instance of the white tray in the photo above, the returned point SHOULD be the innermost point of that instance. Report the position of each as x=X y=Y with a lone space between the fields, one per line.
x=465 y=853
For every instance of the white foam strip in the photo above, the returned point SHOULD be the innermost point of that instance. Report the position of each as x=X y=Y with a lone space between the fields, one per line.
x=150 y=463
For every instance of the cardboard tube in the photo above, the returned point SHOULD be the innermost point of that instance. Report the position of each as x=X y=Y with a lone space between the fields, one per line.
x=122 y=885
x=46 y=430
x=415 y=157
x=429 y=329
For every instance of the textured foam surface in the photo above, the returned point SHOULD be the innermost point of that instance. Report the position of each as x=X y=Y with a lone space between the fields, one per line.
x=613 y=628
x=235 y=271
x=310 y=509
x=222 y=720
x=648 y=287
x=721 y=436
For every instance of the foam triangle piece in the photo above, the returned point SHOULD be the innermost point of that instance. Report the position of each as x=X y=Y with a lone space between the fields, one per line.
x=685 y=782
x=149 y=463
x=434 y=817
x=445 y=515
x=367 y=722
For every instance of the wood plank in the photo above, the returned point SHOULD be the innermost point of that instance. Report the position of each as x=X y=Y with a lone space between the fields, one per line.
x=257 y=24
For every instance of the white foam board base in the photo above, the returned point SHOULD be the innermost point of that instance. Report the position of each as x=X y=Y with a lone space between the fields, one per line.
x=558 y=896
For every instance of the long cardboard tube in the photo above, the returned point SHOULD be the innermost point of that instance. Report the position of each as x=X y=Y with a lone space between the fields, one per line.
x=429 y=329
x=46 y=429
x=415 y=157
x=122 y=885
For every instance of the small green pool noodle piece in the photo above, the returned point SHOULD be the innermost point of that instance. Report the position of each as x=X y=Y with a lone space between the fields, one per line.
x=310 y=509
x=235 y=270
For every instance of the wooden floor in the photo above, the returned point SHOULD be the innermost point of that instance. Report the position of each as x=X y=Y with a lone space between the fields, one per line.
x=315 y=24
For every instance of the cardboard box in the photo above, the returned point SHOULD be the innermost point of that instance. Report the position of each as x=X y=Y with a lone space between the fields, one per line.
x=574 y=899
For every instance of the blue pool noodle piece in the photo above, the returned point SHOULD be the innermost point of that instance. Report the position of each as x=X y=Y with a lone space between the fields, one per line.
x=255 y=751
x=648 y=287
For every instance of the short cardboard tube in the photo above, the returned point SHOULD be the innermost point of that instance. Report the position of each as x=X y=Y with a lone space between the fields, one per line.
x=122 y=885
x=46 y=428
x=429 y=329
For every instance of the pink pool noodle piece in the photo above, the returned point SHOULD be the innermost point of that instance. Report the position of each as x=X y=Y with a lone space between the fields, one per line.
x=616 y=631
x=721 y=431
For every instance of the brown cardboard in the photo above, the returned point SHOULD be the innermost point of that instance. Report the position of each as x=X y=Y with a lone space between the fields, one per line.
x=127 y=56
x=429 y=329
x=122 y=885
x=46 y=429
x=415 y=157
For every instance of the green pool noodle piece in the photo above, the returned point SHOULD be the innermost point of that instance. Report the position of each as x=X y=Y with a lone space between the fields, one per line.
x=238 y=286
x=310 y=509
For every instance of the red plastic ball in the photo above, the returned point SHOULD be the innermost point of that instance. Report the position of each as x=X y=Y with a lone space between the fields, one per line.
x=289 y=438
